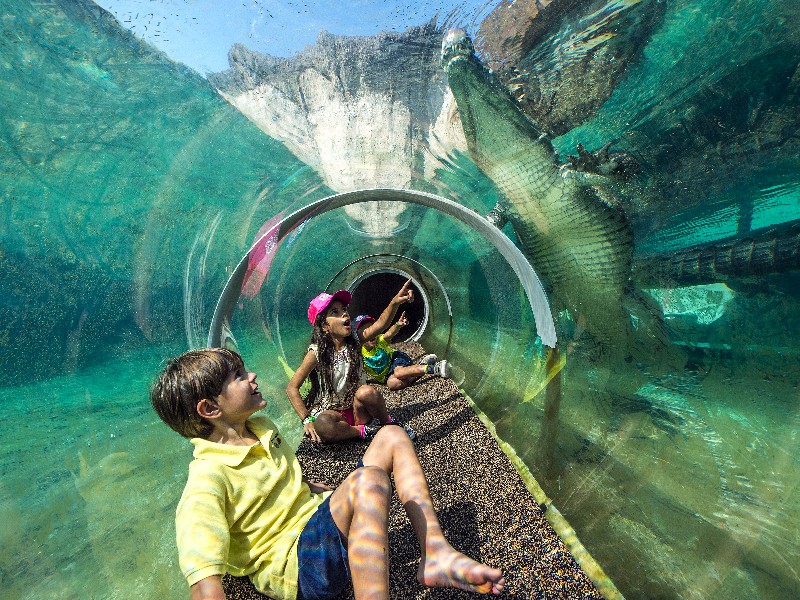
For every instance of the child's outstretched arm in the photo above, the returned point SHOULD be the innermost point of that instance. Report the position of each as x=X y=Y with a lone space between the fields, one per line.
x=402 y=321
x=404 y=295
x=293 y=393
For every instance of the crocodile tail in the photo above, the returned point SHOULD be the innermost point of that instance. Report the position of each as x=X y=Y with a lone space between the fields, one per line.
x=766 y=251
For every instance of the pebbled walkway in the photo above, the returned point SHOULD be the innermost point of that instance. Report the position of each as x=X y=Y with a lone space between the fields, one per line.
x=483 y=505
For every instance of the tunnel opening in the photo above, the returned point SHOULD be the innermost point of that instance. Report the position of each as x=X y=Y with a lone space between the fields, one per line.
x=254 y=266
x=373 y=292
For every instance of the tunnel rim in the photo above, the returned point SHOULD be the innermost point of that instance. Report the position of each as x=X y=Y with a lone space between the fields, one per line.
x=395 y=271
x=537 y=298
x=429 y=272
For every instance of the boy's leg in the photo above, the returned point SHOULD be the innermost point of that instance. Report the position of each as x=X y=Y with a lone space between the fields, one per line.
x=441 y=565
x=369 y=404
x=404 y=376
x=360 y=509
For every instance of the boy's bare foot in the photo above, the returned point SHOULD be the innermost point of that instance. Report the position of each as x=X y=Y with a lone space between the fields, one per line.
x=450 y=568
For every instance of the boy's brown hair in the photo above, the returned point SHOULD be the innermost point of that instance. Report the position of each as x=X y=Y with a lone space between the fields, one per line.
x=186 y=380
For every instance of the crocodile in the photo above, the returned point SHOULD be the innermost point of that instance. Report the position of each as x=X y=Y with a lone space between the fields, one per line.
x=496 y=127
x=580 y=246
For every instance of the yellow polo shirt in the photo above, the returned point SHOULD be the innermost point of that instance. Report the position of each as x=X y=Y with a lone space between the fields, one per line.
x=242 y=512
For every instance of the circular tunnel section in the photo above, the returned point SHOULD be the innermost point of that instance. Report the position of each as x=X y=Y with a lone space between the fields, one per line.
x=477 y=305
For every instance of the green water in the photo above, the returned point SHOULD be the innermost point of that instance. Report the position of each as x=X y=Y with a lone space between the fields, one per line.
x=129 y=190
x=691 y=477
x=91 y=479
x=85 y=513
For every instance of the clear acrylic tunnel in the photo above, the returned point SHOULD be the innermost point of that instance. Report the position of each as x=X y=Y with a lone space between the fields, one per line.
x=142 y=213
x=478 y=298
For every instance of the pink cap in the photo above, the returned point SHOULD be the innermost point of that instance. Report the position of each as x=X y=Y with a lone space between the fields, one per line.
x=321 y=302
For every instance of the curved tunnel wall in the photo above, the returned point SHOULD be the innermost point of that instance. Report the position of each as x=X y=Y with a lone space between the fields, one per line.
x=373 y=290
x=130 y=188
x=479 y=298
x=276 y=235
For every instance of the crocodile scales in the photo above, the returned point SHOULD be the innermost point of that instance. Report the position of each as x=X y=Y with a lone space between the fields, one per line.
x=580 y=246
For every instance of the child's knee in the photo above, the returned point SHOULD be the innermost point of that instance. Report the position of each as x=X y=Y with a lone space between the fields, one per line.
x=373 y=481
x=390 y=435
x=393 y=383
x=326 y=426
x=367 y=394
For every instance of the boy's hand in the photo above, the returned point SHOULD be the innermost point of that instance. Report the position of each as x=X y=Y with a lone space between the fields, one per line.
x=402 y=321
x=404 y=295
x=317 y=488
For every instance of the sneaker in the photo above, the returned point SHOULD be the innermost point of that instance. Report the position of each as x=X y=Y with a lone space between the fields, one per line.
x=411 y=433
x=443 y=369
x=369 y=430
x=428 y=359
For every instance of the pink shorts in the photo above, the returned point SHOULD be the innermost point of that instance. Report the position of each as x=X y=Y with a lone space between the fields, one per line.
x=348 y=415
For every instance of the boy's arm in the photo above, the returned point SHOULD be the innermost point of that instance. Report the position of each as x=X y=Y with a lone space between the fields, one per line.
x=209 y=588
x=203 y=533
x=404 y=295
x=293 y=388
x=402 y=321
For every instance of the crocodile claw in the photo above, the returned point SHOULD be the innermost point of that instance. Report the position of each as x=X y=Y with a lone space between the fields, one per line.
x=603 y=162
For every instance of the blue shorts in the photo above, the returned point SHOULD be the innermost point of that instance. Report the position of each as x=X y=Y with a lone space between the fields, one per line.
x=322 y=556
x=399 y=359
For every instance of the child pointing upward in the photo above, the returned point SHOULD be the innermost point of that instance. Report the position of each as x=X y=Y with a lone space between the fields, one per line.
x=394 y=368
x=340 y=405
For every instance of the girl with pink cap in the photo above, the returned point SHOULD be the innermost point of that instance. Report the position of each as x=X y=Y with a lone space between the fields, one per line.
x=340 y=405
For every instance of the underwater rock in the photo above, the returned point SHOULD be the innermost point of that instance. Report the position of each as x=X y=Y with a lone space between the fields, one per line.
x=501 y=34
x=562 y=59
x=362 y=110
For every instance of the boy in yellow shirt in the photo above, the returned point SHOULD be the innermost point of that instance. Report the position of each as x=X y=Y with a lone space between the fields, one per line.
x=246 y=509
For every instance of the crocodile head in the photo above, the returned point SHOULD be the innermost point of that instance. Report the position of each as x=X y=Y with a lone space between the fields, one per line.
x=494 y=126
x=456 y=45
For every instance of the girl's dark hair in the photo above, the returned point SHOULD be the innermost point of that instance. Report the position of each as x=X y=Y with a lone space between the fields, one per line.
x=186 y=380
x=325 y=354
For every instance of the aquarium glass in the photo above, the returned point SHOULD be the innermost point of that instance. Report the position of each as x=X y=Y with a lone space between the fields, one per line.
x=175 y=174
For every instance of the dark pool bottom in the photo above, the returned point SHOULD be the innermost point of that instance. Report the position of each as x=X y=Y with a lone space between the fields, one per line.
x=483 y=505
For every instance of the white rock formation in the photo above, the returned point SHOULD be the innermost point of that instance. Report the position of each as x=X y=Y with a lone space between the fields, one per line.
x=365 y=112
